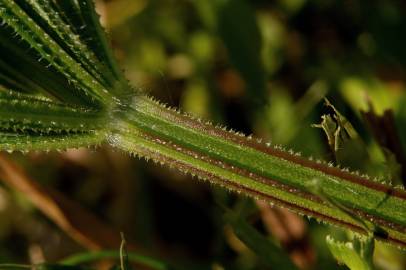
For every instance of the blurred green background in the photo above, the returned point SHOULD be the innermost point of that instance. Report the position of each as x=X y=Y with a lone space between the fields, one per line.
x=259 y=67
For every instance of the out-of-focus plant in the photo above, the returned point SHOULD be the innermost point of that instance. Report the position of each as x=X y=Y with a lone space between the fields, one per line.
x=62 y=88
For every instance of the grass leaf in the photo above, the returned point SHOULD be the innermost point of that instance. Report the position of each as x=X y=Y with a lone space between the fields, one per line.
x=268 y=252
x=357 y=255
x=243 y=42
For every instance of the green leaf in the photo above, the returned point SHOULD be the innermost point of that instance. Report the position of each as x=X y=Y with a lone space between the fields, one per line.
x=267 y=251
x=70 y=12
x=242 y=39
x=386 y=134
x=357 y=254
x=51 y=21
x=86 y=257
x=97 y=38
x=25 y=142
x=25 y=27
x=49 y=266
x=42 y=266
x=24 y=112
x=12 y=266
x=21 y=71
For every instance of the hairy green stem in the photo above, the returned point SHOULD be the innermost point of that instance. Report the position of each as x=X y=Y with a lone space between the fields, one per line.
x=246 y=165
x=78 y=69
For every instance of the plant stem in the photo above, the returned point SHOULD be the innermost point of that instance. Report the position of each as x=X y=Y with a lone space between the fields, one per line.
x=248 y=166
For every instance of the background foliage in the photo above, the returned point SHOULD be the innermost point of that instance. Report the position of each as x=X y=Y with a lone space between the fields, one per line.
x=260 y=67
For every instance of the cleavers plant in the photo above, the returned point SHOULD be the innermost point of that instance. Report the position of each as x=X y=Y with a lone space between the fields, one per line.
x=60 y=88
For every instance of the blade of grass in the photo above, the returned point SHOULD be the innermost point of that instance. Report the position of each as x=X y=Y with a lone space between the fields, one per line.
x=87 y=257
x=268 y=252
x=81 y=225
x=12 y=266
x=244 y=46
x=43 y=266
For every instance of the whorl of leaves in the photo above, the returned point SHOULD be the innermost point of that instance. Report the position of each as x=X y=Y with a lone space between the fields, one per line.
x=58 y=79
